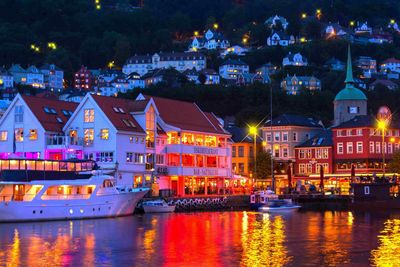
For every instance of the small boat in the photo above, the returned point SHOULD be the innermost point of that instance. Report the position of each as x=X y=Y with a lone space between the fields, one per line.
x=157 y=206
x=261 y=198
x=40 y=190
x=279 y=205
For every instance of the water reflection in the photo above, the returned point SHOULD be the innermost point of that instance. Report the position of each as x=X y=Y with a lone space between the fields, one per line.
x=323 y=238
x=388 y=252
x=263 y=242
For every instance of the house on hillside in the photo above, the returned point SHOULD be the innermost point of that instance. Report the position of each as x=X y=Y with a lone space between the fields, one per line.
x=230 y=69
x=281 y=39
x=277 y=22
x=292 y=85
x=294 y=60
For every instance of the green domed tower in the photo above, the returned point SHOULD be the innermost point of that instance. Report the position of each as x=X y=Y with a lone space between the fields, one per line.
x=350 y=101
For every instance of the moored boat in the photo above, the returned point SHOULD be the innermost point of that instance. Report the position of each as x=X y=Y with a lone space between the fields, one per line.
x=278 y=205
x=34 y=190
x=157 y=206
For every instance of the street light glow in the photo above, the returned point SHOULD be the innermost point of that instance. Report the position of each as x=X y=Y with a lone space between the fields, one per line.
x=304 y=15
x=253 y=130
x=382 y=124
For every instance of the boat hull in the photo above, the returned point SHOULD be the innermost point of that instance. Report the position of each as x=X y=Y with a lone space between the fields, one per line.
x=159 y=209
x=279 y=209
x=112 y=205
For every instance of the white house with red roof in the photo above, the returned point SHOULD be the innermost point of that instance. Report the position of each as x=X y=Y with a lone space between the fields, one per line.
x=114 y=135
x=197 y=150
x=390 y=65
x=31 y=128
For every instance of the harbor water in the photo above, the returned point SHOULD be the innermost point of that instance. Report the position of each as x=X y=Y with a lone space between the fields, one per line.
x=236 y=238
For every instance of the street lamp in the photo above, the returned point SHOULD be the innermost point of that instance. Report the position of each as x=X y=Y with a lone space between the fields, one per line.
x=382 y=126
x=253 y=131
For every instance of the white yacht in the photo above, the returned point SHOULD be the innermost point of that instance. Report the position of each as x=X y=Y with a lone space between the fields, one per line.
x=157 y=206
x=32 y=190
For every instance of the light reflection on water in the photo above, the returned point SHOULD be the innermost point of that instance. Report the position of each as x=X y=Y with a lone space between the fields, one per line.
x=388 y=251
x=207 y=239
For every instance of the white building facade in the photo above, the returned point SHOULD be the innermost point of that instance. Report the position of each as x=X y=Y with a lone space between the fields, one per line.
x=180 y=61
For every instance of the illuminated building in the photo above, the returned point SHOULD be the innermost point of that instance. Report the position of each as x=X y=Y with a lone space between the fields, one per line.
x=294 y=60
x=6 y=79
x=53 y=76
x=142 y=64
x=34 y=77
x=83 y=79
x=231 y=68
x=293 y=85
x=211 y=40
x=35 y=123
x=280 y=39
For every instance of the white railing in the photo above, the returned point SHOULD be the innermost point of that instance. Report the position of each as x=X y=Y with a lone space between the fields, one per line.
x=65 y=197
x=63 y=140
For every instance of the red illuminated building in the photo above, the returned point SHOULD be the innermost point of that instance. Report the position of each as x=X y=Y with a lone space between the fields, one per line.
x=83 y=79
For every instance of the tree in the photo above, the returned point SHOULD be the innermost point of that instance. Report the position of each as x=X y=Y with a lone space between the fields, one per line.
x=394 y=165
x=263 y=164
x=202 y=78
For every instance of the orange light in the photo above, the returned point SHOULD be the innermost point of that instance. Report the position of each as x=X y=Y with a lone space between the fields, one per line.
x=392 y=139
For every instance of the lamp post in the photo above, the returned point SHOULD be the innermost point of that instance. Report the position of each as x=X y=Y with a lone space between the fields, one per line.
x=382 y=127
x=253 y=131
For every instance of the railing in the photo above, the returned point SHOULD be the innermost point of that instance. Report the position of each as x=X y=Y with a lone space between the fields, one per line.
x=17 y=198
x=63 y=140
x=65 y=197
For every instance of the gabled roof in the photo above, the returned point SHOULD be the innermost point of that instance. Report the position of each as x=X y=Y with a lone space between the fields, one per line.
x=47 y=66
x=321 y=140
x=365 y=121
x=241 y=135
x=47 y=111
x=294 y=120
x=118 y=111
x=391 y=60
x=186 y=116
x=16 y=68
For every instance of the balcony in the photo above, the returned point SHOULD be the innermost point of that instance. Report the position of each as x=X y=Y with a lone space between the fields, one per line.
x=199 y=150
x=195 y=171
x=63 y=141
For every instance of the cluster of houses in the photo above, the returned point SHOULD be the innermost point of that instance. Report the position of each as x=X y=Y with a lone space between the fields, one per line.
x=182 y=150
x=304 y=149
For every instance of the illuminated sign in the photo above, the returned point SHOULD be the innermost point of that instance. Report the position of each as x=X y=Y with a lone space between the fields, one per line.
x=205 y=172
x=206 y=150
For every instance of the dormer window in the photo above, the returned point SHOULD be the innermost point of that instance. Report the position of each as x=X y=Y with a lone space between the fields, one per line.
x=59 y=120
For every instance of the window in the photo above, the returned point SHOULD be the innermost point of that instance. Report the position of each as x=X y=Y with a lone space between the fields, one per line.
x=349 y=132
x=378 y=147
x=33 y=134
x=285 y=152
x=159 y=159
x=371 y=147
x=104 y=134
x=295 y=137
x=359 y=132
x=309 y=168
x=19 y=114
x=285 y=136
x=325 y=153
x=301 y=154
x=241 y=168
x=302 y=168
x=276 y=152
x=268 y=137
x=339 y=133
x=277 y=137
x=241 y=151
x=349 y=147
x=390 y=148
x=3 y=135
x=88 y=136
x=359 y=147
x=340 y=148
x=89 y=115
x=105 y=156
x=233 y=152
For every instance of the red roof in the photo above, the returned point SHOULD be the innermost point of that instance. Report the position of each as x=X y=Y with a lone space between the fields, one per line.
x=52 y=114
x=186 y=116
x=391 y=60
x=118 y=112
